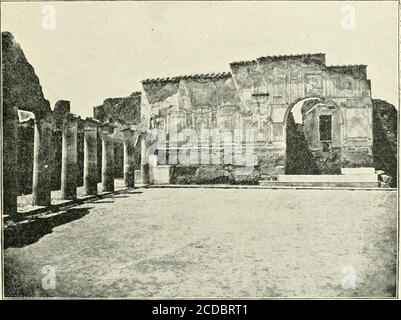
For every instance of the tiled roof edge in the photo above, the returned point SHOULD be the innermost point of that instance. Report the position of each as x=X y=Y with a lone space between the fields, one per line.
x=211 y=76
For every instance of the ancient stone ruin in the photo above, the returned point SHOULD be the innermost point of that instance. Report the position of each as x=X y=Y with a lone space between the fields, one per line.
x=49 y=150
x=308 y=119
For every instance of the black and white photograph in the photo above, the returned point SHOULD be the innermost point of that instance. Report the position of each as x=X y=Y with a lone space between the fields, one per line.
x=200 y=150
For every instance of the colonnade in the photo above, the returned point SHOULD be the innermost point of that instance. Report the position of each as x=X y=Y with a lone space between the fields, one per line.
x=43 y=158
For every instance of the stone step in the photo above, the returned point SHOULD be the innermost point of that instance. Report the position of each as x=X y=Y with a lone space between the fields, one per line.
x=365 y=170
x=265 y=183
x=328 y=178
x=358 y=180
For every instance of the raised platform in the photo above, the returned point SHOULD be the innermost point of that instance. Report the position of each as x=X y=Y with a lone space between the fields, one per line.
x=159 y=174
x=351 y=179
x=364 y=170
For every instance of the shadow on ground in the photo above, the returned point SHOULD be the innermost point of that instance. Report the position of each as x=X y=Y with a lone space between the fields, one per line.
x=104 y=201
x=30 y=232
x=173 y=243
x=16 y=283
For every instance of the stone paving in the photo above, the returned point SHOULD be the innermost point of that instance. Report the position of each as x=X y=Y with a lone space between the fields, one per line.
x=217 y=243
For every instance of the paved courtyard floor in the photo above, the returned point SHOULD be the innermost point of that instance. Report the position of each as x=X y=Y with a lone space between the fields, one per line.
x=218 y=243
x=24 y=202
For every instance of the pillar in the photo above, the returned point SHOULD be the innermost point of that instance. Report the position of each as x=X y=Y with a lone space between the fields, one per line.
x=69 y=158
x=129 y=158
x=90 y=160
x=144 y=161
x=60 y=113
x=10 y=157
x=107 y=160
x=57 y=156
x=42 y=157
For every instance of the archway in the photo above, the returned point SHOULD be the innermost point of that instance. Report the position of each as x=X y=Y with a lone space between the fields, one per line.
x=313 y=129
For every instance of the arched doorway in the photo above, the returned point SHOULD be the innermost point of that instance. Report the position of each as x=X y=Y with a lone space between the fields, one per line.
x=313 y=137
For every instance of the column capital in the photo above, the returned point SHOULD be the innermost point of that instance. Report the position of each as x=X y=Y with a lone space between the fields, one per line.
x=91 y=124
x=107 y=128
x=47 y=121
x=61 y=122
x=71 y=117
x=129 y=132
x=25 y=116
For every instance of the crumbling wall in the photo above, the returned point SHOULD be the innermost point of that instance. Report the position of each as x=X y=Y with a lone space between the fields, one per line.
x=122 y=112
x=299 y=158
x=194 y=101
x=290 y=79
x=230 y=101
x=385 y=138
x=125 y=110
x=213 y=174
x=21 y=86
x=21 y=90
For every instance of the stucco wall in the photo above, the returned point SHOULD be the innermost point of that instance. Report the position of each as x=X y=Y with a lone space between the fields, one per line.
x=227 y=101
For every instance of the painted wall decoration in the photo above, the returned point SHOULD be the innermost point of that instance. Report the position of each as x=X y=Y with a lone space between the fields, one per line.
x=229 y=101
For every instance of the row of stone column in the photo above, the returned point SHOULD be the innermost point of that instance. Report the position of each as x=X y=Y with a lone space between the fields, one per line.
x=42 y=159
x=44 y=155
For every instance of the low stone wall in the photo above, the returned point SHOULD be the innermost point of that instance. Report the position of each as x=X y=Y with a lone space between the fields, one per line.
x=213 y=174
x=356 y=157
x=270 y=159
x=328 y=162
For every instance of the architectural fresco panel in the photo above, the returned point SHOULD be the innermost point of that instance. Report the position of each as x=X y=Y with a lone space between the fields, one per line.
x=260 y=93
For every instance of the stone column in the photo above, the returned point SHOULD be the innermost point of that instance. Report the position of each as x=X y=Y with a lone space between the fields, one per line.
x=129 y=158
x=60 y=113
x=10 y=158
x=144 y=160
x=107 y=159
x=69 y=158
x=42 y=157
x=90 y=157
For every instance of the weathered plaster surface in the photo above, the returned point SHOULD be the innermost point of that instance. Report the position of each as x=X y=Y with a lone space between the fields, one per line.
x=122 y=111
x=227 y=101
